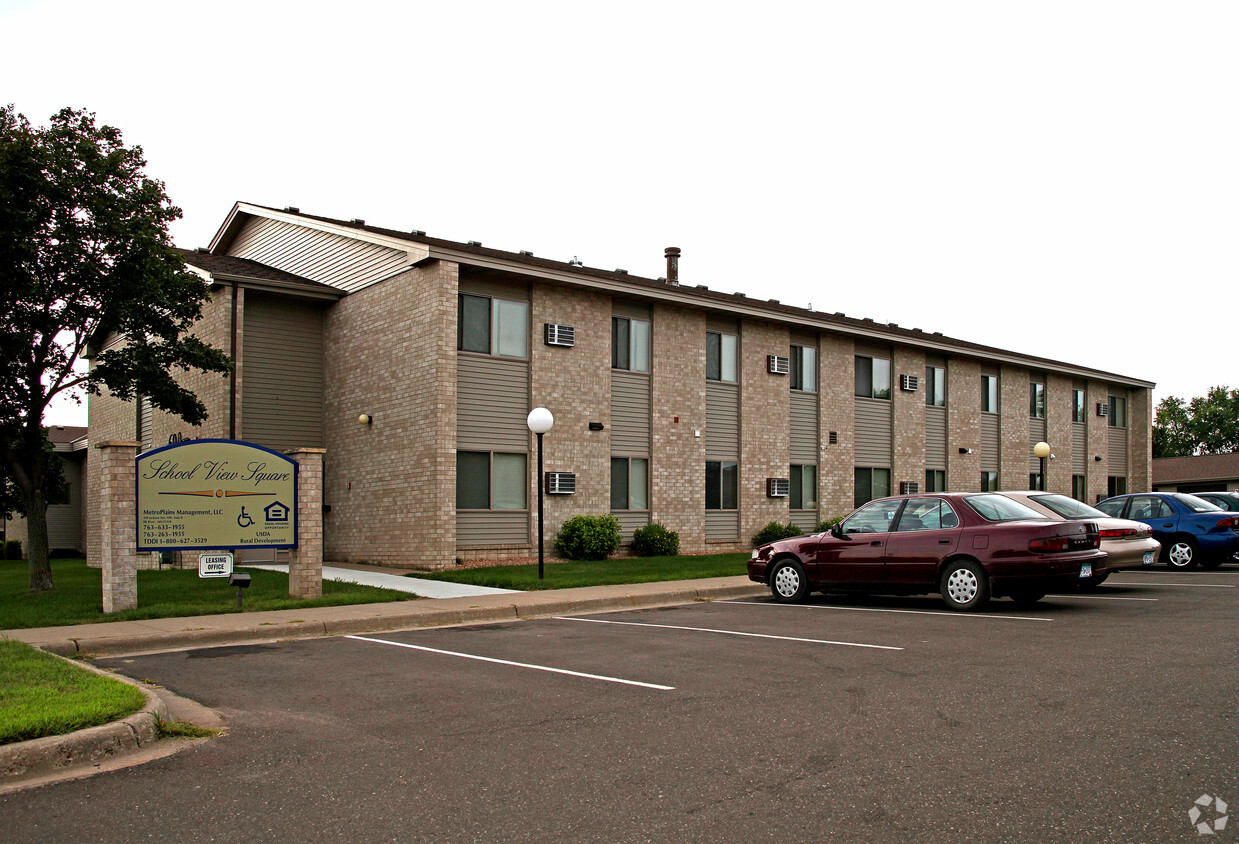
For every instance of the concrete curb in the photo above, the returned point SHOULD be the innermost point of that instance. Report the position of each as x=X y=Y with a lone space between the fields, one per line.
x=39 y=758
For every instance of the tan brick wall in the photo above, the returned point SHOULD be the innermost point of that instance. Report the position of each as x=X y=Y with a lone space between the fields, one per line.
x=391 y=486
x=677 y=409
x=115 y=541
x=1140 y=445
x=575 y=385
x=1098 y=392
x=305 y=562
x=765 y=434
x=1058 y=429
x=963 y=405
x=1014 y=449
x=909 y=420
x=837 y=383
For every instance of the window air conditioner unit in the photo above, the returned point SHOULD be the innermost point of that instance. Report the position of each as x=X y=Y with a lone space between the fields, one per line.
x=909 y=383
x=778 y=364
x=560 y=335
x=1103 y=409
x=909 y=488
x=778 y=487
x=560 y=483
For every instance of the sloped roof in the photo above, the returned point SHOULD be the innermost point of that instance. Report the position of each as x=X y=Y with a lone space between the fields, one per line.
x=228 y=268
x=1196 y=469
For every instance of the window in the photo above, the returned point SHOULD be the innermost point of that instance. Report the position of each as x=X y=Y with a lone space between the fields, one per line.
x=1078 y=490
x=720 y=357
x=1034 y=481
x=935 y=386
x=803 y=494
x=935 y=480
x=630 y=483
x=804 y=368
x=1118 y=412
x=630 y=344
x=870 y=483
x=722 y=485
x=1036 y=400
x=492 y=326
x=927 y=514
x=999 y=508
x=876 y=518
x=490 y=481
x=873 y=377
x=1078 y=412
x=1116 y=485
x=989 y=393
x=989 y=482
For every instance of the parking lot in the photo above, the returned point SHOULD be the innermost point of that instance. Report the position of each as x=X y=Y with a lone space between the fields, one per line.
x=1101 y=715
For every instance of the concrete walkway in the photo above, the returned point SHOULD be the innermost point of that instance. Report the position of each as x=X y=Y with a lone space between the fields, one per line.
x=414 y=585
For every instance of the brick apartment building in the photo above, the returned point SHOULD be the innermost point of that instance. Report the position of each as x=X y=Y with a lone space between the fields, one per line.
x=712 y=413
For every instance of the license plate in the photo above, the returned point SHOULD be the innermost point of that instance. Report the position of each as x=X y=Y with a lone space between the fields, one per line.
x=1148 y=558
x=1086 y=570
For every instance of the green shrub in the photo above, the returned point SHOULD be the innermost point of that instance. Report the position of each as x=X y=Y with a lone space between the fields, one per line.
x=588 y=538
x=655 y=540
x=13 y=549
x=774 y=532
x=826 y=524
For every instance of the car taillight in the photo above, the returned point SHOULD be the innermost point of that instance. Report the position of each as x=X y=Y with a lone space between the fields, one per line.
x=1050 y=544
x=1119 y=533
x=1231 y=522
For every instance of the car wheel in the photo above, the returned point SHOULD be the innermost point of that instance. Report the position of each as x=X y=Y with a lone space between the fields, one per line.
x=964 y=586
x=788 y=583
x=1026 y=598
x=1182 y=554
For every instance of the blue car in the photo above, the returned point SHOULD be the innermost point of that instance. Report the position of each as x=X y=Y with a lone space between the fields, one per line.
x=1192 y=531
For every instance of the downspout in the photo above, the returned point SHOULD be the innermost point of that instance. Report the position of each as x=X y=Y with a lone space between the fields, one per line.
x=232 y=378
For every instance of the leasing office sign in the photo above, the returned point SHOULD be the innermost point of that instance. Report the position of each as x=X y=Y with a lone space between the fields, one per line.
x=215 y=494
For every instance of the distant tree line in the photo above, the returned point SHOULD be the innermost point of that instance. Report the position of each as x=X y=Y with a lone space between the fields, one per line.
x=1206 y=425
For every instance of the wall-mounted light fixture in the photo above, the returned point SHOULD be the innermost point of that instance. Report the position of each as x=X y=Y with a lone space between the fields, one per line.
x=365 y=419
x=595 y=426
x=1097 y=458
x=965 y=451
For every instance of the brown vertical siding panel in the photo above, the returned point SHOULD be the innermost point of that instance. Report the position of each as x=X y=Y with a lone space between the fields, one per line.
x=630 y=414
x=873 y=432
x=282 y=401
x=804 y=428
x=722 y=434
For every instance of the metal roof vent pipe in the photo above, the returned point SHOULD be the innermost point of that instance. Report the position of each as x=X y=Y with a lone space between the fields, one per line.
x=673 y=265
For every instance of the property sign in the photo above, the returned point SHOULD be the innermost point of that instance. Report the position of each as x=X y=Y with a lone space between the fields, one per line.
x=217 y=564
x=216 y=494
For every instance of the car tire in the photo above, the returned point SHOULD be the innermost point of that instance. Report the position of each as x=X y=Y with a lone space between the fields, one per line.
x=964 y=586
x=1026 y=598
x=1182 y=554
x=788 y=582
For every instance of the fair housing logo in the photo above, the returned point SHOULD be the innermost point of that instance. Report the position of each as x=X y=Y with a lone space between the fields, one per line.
x=1208 y=814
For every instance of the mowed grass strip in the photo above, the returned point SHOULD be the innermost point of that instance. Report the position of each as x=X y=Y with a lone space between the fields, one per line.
x=170 y=593
x=42 y=695
x=609 y=572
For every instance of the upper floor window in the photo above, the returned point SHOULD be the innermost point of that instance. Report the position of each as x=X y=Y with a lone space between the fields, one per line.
x=935 y=386
x=873 y=377
x=630 y=344
x=804 y=368
x=989 y=393
x=1036 y=400
x=1078 y=404
x=493 y=326
x=720 y=356
x=1118 y=412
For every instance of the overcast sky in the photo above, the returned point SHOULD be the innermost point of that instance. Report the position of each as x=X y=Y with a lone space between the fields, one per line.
x=1054 y=178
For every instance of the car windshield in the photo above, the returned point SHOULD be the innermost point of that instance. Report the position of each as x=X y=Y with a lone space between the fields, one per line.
x=1068 y=508
x=999 y=508
x=1196 y=505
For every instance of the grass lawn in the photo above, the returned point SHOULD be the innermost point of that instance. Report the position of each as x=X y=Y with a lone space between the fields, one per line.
x=598 y=572
x=78 y=597
x=45 y=696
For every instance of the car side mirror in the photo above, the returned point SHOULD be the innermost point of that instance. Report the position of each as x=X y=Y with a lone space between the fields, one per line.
x=836 y=530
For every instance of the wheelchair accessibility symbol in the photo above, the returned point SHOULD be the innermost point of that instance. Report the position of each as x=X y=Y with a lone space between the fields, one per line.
x=244 y=519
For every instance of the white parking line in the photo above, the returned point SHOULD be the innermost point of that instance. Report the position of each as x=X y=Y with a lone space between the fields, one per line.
x=1196 y=585
x=877 y=609
x=732 y=632
x=515 y=664
x=1103 y=598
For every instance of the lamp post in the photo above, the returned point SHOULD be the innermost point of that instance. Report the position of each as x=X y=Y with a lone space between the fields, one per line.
x=1042 y=451
x=540 y=421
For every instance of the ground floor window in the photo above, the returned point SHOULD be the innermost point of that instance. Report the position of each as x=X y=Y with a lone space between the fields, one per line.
x=488 y=480
x=803 y=492
x=935 y=480
x=1034 y=480
x=871 y=483
x=722 y=485
x=989 y=482
x=630 y=483
x=1116 y=485
x=1078 y=488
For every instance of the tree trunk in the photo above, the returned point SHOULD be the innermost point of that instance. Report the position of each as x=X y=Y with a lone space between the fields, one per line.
x=36 y=542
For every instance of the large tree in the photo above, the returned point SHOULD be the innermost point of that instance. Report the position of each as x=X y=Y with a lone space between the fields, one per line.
x=1207 y=424
x=85 y=253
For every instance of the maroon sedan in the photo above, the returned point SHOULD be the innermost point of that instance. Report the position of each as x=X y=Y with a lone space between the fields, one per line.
x=967 y=546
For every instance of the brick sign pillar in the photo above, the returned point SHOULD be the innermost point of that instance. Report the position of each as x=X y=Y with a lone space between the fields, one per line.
x=117 y=510
x=305 y=562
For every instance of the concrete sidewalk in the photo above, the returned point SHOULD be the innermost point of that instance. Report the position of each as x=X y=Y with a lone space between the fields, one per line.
x=124 y=638
x=370 y=576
